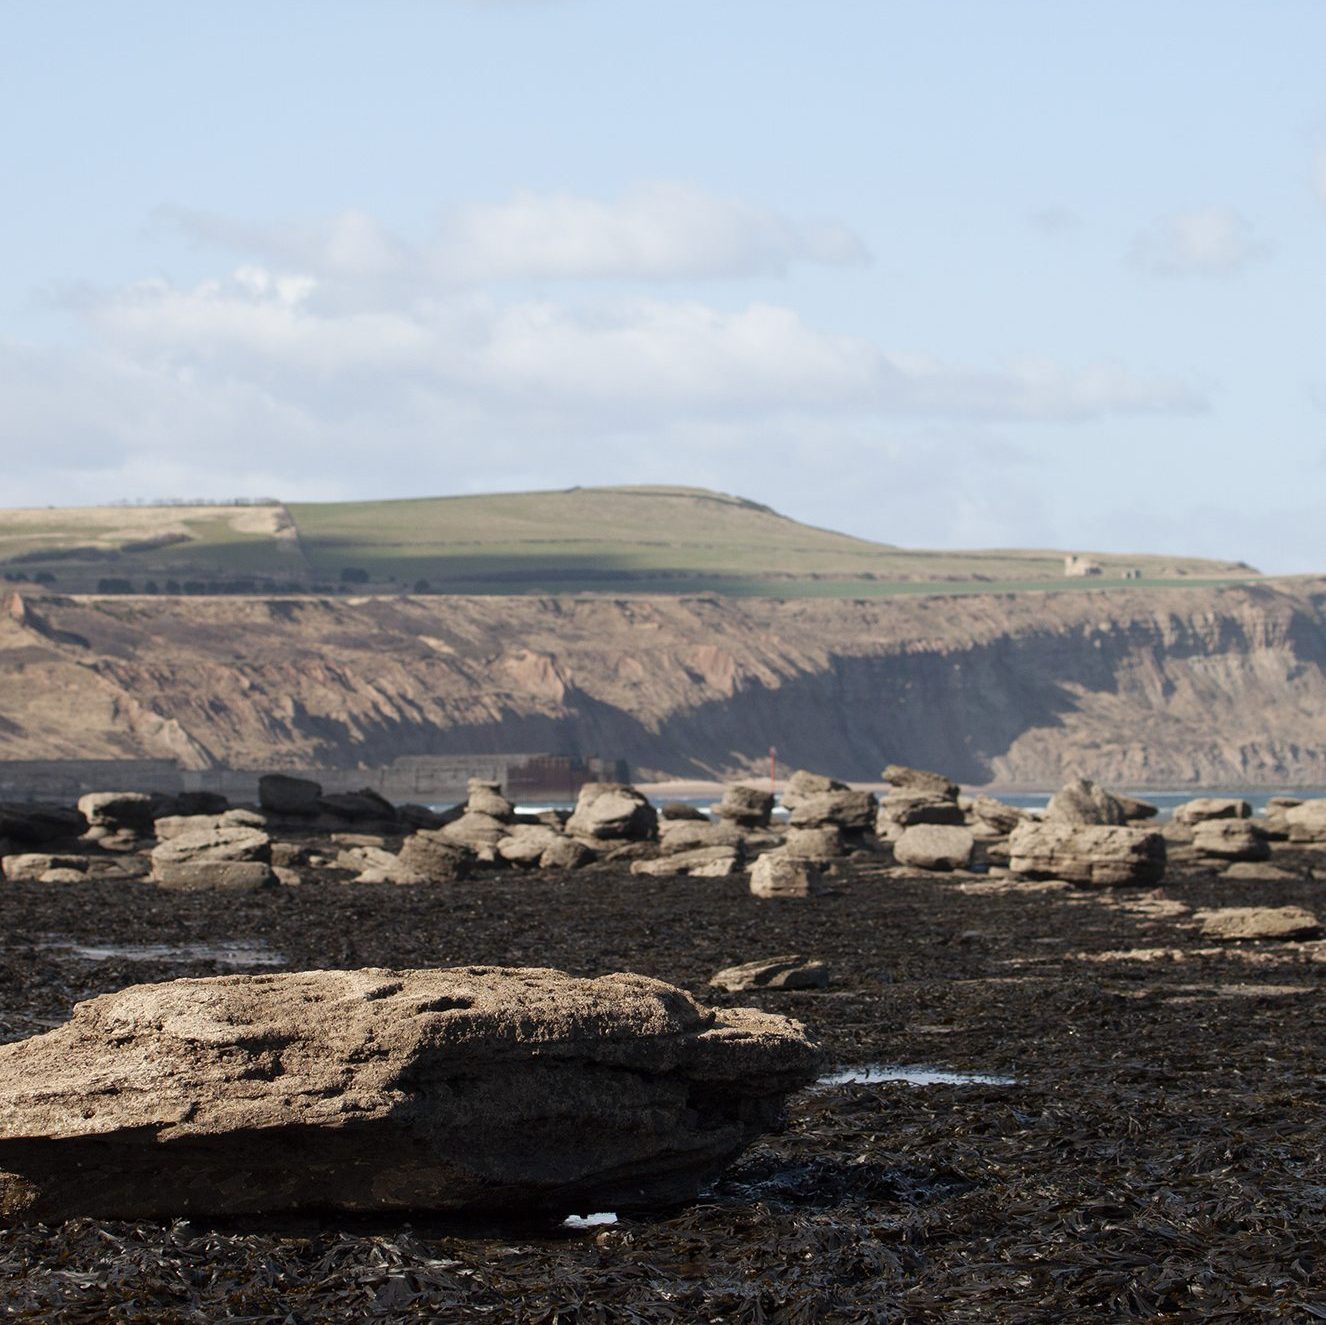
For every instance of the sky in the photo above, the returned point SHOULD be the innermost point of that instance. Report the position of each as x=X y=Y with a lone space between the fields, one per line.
x=968 y=274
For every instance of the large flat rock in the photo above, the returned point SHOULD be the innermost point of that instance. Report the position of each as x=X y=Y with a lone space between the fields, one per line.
x=521 y=1091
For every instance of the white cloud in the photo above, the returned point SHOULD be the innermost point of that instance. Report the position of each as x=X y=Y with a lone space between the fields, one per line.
x=657 y=231
x=615 y=360
x=1212 y=241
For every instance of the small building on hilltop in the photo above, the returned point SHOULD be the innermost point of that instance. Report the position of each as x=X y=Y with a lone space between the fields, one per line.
x=1080 y=567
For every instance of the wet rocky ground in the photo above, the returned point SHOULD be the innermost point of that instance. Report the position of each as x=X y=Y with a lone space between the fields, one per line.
x=1159 y=1155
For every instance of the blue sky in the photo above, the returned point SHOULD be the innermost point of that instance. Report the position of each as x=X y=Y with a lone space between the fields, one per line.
x=958 y=274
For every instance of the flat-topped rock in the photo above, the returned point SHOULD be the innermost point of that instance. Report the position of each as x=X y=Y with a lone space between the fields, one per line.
x=680 y=836
x=474 y=1089
x=901 y=809
x=716 y=862
x=789 y=972
x=1104 y=855
x=1238 y=923
x=776 y=874
x=1205 y=808
x=940 y=847
x=1230 y=839
x=851 y=811
x=748 y=806
x=918 y=779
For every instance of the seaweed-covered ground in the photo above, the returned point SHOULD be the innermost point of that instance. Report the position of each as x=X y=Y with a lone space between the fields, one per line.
x=1158 y=1156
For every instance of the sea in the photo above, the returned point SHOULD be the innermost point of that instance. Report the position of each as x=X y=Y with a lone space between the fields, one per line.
x=1164 y=801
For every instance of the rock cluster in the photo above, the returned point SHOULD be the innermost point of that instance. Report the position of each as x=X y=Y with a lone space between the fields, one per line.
x=475 y=1089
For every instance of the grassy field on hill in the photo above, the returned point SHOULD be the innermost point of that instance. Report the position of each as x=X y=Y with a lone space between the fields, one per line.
x=613 y=540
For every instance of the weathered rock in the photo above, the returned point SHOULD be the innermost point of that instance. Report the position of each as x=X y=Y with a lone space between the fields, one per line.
x=790 y=972
x=687 y=836
x=748 y=806
x=221 y=875
x=777 y=875
x=527 y=843
x=917 y=779
x=420 y=816
x=565 y=853
x=213 y=844
x=852 y=811
x=175 y=824
x=802 y=784
x=434 y=857
x=993 y=817
x=1083 y=802
x=486 y=798
x=612 y=811
x=934 y=847
x=1100 y=854
x=287 y=855
x=822 y=843
x=679 y=810
x=200 y=802
x=1307 y=822
x=1237 y=923
x=358 y=807
x=1211 y=807
x=486 y=1090
x=901 y=809
x=1230 y=839
x=59 y=875
x=716 y=862
x=33 y=866
x=1134 y=809
x=290 y=796
x=132 y=810
x=1255 y=871
x=475 y=831
x=35 y=824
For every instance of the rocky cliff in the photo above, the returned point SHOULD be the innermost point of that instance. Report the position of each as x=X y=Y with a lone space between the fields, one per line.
x=1199 y=685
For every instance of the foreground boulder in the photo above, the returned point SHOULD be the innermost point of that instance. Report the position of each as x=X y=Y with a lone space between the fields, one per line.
x=1101 y=854
x=475 y=1089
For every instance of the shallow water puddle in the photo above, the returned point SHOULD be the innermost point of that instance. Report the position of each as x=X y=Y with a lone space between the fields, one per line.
x=224 y=954
x=874 y=1074
x=589 y=1221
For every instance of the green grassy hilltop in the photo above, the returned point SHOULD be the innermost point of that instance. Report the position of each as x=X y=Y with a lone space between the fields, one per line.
x=622 y=539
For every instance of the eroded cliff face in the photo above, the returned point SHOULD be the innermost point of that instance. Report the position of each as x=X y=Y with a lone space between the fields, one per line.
x=1202 y=686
